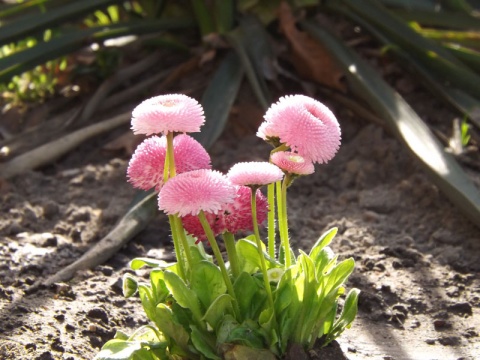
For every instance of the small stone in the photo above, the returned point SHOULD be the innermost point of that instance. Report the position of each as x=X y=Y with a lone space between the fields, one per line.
x=59 y=317
x=442 y=324
x=430 y=341
x=50 y=209
x=463 y=308
x=70 y=328
x=98 y=313
x=449 y=340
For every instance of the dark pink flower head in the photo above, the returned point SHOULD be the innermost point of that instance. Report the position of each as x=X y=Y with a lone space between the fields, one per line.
x=193 y=226
x=254 y=173
x=145 y=169
x=305 y=125
x=238 y=215
x=292 y=163
x=167 y=113
x=194 y=191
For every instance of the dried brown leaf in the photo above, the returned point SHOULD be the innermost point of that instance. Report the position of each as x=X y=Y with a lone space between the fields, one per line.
x=311 y=59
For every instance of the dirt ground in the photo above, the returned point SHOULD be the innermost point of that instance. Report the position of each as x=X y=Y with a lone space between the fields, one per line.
x=417 y=257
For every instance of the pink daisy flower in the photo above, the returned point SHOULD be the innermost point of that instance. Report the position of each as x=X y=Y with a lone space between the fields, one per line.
x=194 y=191
x=145 y=169
x=255 y=173
x=305 y=125
x=167 y=113
x=193 y=226
x=292 y=163
x=238 y=215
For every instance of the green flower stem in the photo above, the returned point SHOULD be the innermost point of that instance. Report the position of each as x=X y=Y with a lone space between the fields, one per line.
x=183 y=240
x=177 y=247
x=175 y=224
x=271 y=220
x=260 y=251
x=232 y=253
x=221 y=263
x=283 y=221
x=278 y=191
x=170 y=157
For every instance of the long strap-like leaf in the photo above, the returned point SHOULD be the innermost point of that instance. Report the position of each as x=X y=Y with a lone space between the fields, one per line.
x=404 y=123
x=31 y=57
x=31 y=23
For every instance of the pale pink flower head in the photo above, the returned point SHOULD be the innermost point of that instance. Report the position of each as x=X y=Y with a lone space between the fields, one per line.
x=189 y=154
x=194 y=191
x=193 y=226
x=145 y=169
x=292 y=163
x=305 y=125
x=254 y=173
x=238 y=215
x=167 y=113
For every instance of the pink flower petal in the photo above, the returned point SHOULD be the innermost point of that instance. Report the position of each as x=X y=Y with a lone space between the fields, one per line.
x=305 y=125
x=193 y=226
x=238 y=215
x=254 y=173
x=167 y=113
x=292 y=163
x=189 y=154
x=194 y=191
x=145 y=169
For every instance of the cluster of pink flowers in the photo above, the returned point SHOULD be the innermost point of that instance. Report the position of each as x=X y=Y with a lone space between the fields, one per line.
x=301 y=124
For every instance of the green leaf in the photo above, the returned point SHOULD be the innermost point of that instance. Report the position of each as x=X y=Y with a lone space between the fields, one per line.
x=248 y=257
x=338 y=275
x=246 y=288
x=165 y=321
x=148 y=302
x=406 y=125
x=207 y=283
x=138 y=263
x=324 y=240
x=347 y=316
x=221 y=306
x=246 y=334
x=203 y=343
x=159 y=288
x=118 y=350
x=130 y=285
x=184 y=296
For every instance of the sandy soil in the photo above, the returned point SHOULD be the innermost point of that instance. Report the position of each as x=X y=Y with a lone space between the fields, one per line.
x=417 y=256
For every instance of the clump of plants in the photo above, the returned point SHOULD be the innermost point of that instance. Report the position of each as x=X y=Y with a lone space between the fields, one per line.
x=266 y=296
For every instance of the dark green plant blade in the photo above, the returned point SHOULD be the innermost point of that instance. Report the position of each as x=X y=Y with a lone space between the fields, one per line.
x=461 y=100
x=32 y=23
x=42 y=52
x=450 y=20
x=468 y=56
x=412 y=4
x=447 y=67
x=251 y=43
x=219 y=97
x=405 y=124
